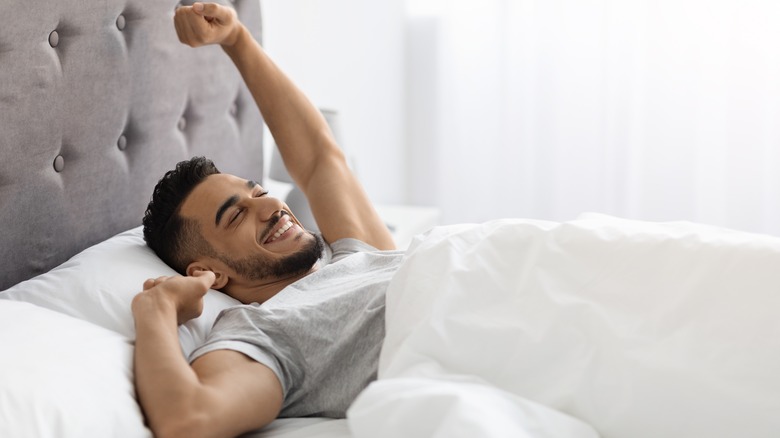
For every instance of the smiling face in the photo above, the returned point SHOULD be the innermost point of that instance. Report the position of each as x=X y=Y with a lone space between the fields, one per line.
x=256 y=239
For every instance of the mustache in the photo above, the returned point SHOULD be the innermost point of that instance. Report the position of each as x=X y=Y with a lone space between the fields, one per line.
x=272 y=223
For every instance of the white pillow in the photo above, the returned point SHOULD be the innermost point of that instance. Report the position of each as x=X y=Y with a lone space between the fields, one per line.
x=98 y=285
x=62 y=377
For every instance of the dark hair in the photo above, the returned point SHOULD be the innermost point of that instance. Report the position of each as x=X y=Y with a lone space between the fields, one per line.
x=176 y=240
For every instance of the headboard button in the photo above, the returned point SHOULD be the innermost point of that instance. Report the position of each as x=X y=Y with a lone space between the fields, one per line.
x=120 y=22
x=54 y=38
x=59 y=163
x=122 y=142
x=233 y=109
x=182 y=124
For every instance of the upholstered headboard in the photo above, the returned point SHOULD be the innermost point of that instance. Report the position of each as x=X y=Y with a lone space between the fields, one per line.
x=97 y=100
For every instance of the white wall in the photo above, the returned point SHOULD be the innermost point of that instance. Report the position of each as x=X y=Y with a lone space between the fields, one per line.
x=348 y=55
x=653 y=110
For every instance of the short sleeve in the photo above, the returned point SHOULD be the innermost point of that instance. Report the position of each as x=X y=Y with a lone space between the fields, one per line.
x=348 y=246
x=246 y=330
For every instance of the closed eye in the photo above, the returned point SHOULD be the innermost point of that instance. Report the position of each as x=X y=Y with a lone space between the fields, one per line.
x=239 y=212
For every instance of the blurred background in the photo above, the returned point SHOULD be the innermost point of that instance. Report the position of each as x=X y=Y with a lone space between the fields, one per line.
x=646 y=109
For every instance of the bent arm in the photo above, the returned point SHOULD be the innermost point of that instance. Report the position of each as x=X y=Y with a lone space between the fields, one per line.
x=223 y=393
x=299 y=129
x=308 y=148
x=313 y=159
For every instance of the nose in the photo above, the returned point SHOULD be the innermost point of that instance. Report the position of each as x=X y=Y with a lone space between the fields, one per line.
x=268 y=207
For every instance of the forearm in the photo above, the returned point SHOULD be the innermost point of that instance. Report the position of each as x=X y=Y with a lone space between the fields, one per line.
x=299 y=129
x=166 y=384
x=223 y=393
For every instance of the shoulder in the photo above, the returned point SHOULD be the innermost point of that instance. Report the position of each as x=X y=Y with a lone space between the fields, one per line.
x=348 y=246
x=254 y=331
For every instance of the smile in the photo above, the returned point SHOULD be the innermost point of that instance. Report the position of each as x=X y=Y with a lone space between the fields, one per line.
x=289 y=224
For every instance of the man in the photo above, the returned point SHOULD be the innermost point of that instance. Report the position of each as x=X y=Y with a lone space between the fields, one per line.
x=308 y=341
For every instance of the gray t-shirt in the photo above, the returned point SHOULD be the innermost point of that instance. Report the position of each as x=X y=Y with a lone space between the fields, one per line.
x=322 y=334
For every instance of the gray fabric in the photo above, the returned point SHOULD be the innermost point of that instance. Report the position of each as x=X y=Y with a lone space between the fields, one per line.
x=88 y=126
x=321 y=335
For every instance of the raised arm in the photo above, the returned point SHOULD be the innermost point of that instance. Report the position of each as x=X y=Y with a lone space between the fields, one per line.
x=224 y=393
x=313 y=159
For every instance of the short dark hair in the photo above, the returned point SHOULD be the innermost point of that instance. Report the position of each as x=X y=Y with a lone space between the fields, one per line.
x=177 y=240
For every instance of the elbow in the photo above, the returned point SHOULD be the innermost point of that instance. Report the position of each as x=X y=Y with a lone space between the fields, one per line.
x=190 y=426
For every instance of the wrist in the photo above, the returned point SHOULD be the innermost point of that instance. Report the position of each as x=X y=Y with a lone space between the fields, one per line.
x=151 y=304
x=236 y=41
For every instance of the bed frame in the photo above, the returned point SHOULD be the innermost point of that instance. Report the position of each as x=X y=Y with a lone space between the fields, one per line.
x=97 y=100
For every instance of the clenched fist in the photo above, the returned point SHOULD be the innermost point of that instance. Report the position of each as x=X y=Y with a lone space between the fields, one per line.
x=183 y=295
x=207 y=23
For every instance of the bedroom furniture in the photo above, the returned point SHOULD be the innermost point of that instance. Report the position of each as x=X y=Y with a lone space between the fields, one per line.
x=97 y=101
x=515 y=327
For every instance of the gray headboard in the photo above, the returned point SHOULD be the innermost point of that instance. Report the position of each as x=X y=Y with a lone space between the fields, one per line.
x=97 y=100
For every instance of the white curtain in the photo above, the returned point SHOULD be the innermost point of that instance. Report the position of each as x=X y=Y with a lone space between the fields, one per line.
x=647 y=109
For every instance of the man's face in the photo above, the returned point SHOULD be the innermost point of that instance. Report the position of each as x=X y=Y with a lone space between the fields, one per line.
x=252 y=233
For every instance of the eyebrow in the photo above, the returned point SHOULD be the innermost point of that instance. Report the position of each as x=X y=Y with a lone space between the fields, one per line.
x=222 y=208
x=231 y=202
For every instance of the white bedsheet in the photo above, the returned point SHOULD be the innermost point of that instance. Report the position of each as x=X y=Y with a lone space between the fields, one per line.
x=528 y=328
x=303 y=428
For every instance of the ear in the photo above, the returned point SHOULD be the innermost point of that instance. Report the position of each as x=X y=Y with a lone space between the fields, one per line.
x=220 y=280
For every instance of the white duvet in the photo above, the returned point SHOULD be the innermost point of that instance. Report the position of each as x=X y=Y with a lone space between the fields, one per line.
x=594 y=327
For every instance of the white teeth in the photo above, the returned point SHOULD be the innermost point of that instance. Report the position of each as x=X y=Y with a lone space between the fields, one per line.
x=281 y=231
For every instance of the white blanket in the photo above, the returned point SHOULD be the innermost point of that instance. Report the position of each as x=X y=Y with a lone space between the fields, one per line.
x=528 y=328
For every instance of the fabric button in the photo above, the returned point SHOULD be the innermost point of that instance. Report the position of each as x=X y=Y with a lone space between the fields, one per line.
x=182 y=124
x=122 y=142
x=59 y=163
x=120 y=22
x=233 y=109
x=54 y=38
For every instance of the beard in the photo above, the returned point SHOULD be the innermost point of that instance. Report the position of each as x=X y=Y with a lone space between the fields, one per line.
x=257 y=267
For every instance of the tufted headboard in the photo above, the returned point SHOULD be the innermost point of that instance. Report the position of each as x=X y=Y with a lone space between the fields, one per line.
x=97 y=100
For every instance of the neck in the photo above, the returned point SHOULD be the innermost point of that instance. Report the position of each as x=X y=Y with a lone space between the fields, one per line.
x=260 y=291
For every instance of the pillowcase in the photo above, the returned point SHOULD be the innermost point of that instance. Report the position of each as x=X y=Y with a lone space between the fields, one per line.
x=62 y=377
x=98 y=285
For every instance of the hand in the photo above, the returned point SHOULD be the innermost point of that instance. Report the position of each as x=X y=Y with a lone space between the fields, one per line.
x=207 y=23
x=184 y=294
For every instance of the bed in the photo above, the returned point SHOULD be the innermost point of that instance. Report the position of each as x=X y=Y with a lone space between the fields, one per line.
x=598 y=326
